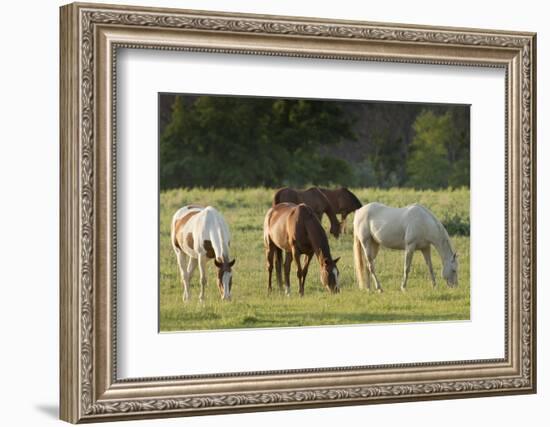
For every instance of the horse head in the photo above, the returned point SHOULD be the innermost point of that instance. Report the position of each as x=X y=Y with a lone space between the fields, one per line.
x=329 y=274
x=225 y=277
x=450 y=270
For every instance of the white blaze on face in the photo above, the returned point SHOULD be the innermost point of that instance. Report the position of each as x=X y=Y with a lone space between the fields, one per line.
x=335 y=272
x=226 y=278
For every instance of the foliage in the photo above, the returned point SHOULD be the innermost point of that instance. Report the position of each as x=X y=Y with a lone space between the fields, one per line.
x=438 y=153
x=456 y=225
x=242 y=142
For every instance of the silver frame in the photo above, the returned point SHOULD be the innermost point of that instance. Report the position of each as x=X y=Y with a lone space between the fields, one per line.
x=90 y=37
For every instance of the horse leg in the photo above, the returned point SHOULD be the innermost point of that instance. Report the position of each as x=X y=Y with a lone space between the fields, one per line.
x=269 y=252
x=278 y=267
x=191 y=265
x=288 y=262
x=182 y=258
x=409 y=252
x=304 y=270
x=299 y=273
x=319 y=214
x=371 y=250
x=202 y=270
x=359 y=262
x=428 y=258
x=343 y=223
x=369 y=272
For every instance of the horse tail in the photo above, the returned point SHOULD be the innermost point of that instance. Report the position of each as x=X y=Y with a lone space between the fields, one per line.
x=266 y=228
x=277 y=197
x=359 y=261
x=173 y=239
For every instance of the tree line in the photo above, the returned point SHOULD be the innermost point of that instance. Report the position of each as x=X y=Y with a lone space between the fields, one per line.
x=223 y=141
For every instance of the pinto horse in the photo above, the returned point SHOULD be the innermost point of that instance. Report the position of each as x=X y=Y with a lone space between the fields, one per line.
x=315 y=199
x=343 y=202
x=199 y=234
x=410 y=228
x=296 y=230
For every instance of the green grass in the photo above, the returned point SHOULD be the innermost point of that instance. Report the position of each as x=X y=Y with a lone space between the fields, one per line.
x=251 y=307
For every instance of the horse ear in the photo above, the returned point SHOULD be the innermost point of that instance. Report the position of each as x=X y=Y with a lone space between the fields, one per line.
x=455 y=255
x=232 y=263
x=218 y=264
x=336 y=260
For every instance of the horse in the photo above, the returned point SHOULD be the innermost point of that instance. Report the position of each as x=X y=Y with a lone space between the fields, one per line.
x=315 y=199
x=343 y=202
x=411 y=228
x=199 y=234
x=296 y=230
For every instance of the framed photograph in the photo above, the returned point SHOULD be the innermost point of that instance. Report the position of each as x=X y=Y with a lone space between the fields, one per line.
x=265 y=213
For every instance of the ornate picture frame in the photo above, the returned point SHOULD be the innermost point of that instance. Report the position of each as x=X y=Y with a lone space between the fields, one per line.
x=90 y=37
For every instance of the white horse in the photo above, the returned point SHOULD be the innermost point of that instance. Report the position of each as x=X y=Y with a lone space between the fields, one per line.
x=410 y=228
x=199 y=234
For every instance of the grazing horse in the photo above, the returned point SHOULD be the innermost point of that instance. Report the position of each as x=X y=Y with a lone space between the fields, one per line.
x=410 y=228
x=199 y=234
x=296 y=230
x=315 y=199
x=343 y=202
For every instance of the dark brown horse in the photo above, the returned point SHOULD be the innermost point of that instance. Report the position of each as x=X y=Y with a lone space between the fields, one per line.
x=296 y=230
x=343 y=202
x=315 y=199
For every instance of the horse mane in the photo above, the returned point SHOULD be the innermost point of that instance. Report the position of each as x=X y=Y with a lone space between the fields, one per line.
x=440 y=226
x=315 y=230
x=357 y=203
x=306 y=210
x=219 y=245
x=329 y=210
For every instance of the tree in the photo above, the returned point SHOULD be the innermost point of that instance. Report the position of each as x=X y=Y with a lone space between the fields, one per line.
x=428 y=165
x=238 y=142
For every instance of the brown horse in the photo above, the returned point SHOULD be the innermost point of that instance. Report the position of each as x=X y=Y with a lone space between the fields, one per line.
x=343 y=202
x=315 y=199
x=296 y=230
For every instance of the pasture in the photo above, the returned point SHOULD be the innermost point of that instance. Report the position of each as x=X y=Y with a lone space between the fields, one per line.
x=252 y=307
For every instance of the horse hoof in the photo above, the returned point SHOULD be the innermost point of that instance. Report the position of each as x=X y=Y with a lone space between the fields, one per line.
x=403 y=289
x=380 y=290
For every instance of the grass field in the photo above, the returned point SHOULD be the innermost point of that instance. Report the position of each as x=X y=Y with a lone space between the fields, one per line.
x=251 y=307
